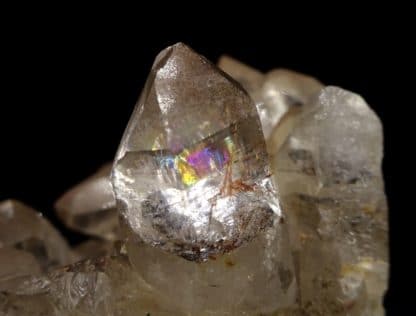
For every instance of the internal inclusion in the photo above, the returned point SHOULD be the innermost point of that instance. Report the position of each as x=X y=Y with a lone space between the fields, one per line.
x=210 y=189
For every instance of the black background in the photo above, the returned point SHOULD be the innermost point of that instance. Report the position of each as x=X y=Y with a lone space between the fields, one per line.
x=70 y=88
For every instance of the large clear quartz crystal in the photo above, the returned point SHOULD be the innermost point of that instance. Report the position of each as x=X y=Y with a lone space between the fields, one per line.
x=191 y=174
x=90 y=206
x=25 y=234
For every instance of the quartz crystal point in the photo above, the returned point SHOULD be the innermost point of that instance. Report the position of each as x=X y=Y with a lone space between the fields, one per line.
x=90 y=206
x=276 y=93
x=25 y=234
x=329 y=175
x=191 y=174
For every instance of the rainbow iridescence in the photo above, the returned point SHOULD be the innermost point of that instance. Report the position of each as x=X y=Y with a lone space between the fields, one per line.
x=200 y=161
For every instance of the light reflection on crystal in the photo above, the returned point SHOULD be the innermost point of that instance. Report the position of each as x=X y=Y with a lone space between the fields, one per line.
x=200 y=161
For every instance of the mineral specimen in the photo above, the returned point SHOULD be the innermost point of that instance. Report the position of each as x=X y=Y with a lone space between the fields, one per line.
x=203 y=230
x=191 y=174
x=90 y=206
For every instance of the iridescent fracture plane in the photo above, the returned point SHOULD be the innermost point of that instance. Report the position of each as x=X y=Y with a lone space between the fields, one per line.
x=191 y=175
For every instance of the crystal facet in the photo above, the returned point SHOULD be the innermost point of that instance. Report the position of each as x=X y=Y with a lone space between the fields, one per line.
x=90 y=206
x=191 y=175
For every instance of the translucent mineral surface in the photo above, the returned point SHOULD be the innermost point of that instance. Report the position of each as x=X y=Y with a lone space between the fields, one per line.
x=93 y=248
x=15 y=263
x=191 y=174
x=25 y=233
x=203 y=230
x=90 y=207
x=275 y=92
x=329 y=173
x=255 y=279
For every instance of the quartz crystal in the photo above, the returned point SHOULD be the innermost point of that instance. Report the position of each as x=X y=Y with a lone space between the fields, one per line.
x=202 y=228
x=255 y=279
x=90 y=206
x=191 y=174
x=329 y=174
x=104 y=286
x=276 y=93
x=26 y=234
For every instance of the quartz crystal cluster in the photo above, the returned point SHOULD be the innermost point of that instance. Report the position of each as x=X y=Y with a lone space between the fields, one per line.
x=233 y=192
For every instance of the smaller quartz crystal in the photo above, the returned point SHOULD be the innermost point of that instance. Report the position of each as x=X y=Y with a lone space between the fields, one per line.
x=24 y=229
x=90 y=206
x=329 y=173
x=251 y=79
x=275 y=93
